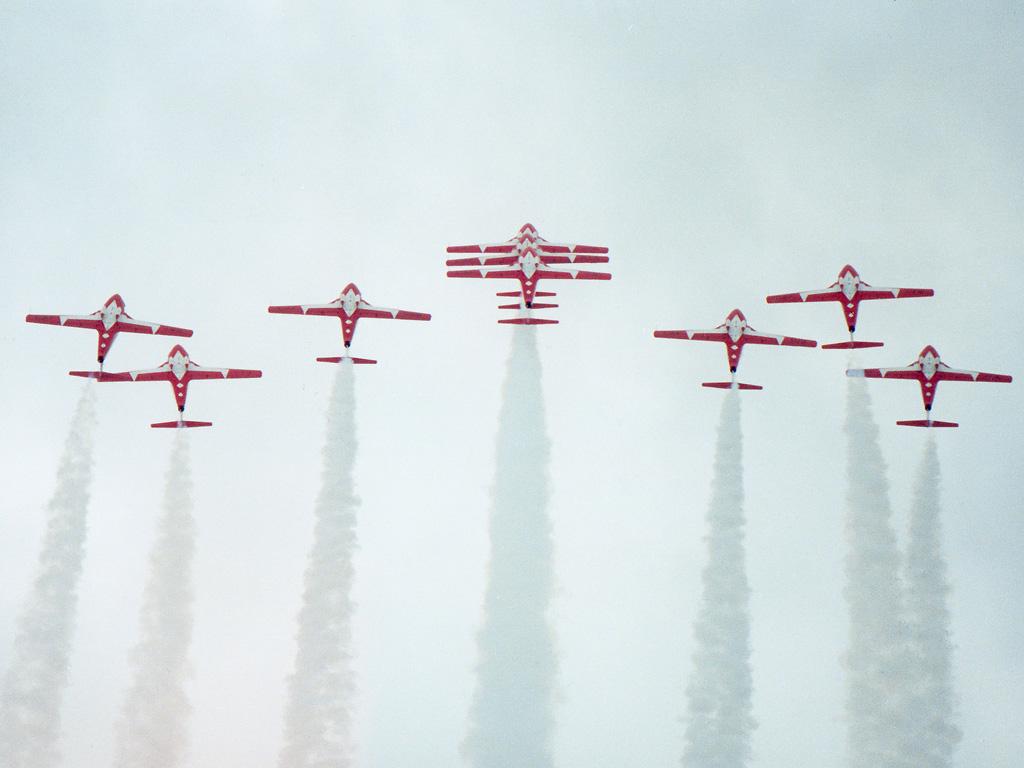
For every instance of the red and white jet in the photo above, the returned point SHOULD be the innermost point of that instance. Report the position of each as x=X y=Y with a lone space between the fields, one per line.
x=850 y=291
x=735 y=333
x=179 y=371
x=349 y=307
x=108 y=321
x=928 y=370
x=528 y=258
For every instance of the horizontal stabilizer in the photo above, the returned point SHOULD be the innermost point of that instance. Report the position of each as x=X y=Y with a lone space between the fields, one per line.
x=181 y=424
x=536 y=305
x=353 y=360
x=514 y=294
x=927 y=423
x=852 y=345
x=528 y=321
x=730 y=385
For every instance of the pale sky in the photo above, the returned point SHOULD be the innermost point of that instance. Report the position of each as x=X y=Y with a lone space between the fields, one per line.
x=206 y=160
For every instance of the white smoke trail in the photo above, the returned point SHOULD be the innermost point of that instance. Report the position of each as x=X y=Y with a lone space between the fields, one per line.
x=879 y=695
x=320 y=690
x=152 y=733
x=927 y=590
x=32 y=688
x=719 y=693
x=511 y=716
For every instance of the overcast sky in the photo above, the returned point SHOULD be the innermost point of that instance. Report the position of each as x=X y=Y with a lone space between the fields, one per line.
x=206 y=160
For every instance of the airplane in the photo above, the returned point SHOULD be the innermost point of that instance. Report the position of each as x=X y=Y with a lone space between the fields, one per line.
x=928 y=370
x=108 y=321
x=179 y=370
x=528 y=258
x=735 y=333
x=349 y=307
x=850 y=291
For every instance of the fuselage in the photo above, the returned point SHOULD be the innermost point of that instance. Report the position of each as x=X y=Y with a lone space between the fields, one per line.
x=177 y=366
x=928 y=361
x=349 y=303
x=849 y=283
x=735 y=325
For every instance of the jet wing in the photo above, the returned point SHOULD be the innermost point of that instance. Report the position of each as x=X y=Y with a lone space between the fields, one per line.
x=333 y=309
x=952 y=374
x=139 y=326
x=572 y=274
x=549 y=258
x=506 y=247
x=151 y=374
x=908 y=372
x=768 y=338
x=494 y=261
x=870 y=292
x=567 y=253
x=504 y=273
x=832 y=293
x=71 y=321
x=545 y=246
x=367 y=310
x=200 y=372
x=712 y=335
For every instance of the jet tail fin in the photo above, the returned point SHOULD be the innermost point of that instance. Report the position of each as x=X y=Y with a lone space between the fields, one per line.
x=181 y=424
x=528 y=321
x=355 y=360
x=852 y=345
x=730 y=385
x=927 y=423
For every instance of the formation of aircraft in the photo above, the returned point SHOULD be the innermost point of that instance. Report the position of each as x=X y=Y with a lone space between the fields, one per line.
x=928 y=370
x=849 y=290
x=108 y=321
x=349 y=307
x=179 y=370
x=528 y=258
x=735 y=333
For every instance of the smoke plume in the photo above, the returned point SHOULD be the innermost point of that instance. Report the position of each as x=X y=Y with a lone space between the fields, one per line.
x=511 y=716
x=927 y=591
x=152 y=733
x=879 y=694
x=321 y=688
x=719 y=693
x=32 y=688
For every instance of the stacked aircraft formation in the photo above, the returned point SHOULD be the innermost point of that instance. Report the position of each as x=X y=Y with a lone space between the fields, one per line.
x=528 y=258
